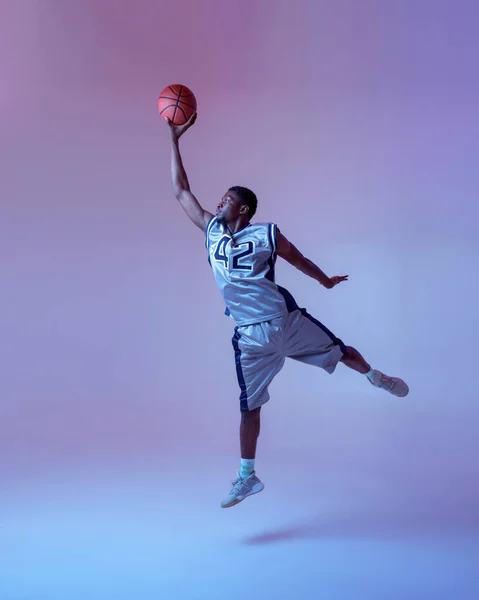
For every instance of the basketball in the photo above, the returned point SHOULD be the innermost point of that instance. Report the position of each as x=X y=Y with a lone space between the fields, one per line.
x=178 y=103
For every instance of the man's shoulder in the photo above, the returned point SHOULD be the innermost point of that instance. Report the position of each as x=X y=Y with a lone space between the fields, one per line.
x=265 y=231
x=213 y=227
x=263 y=225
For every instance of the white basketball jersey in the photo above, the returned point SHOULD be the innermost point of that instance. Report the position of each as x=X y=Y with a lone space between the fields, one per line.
x=244 y=272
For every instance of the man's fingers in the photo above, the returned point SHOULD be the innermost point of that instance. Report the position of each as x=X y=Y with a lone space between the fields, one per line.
x=191 y=120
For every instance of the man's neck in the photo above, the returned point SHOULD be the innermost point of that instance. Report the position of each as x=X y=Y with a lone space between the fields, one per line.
x=236 y=225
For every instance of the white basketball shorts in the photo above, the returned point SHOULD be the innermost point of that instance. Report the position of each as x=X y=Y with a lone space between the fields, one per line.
x=261 y=350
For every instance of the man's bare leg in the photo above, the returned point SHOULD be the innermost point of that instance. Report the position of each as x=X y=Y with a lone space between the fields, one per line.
x=394 y=385
x=249 y=432
x=247 y=483
x=354 y=360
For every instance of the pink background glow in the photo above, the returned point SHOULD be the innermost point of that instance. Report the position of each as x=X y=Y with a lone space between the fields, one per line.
x=356 y=123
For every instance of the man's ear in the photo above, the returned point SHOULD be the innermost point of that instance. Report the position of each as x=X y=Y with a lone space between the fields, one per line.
x=244 y=209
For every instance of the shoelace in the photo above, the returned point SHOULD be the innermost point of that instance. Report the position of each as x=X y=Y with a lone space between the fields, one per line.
x=238 y=485
x=387 y=383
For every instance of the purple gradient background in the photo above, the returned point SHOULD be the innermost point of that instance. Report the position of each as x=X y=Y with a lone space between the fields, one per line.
x=357 y=125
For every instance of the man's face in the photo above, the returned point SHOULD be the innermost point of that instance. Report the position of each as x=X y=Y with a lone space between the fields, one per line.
x=230 y=208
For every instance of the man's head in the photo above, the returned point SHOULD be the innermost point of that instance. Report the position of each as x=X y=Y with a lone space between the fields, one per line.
x=236 y=203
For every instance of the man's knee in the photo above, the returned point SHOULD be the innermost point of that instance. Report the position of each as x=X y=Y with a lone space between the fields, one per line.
x=347 y=353
x=250 y=415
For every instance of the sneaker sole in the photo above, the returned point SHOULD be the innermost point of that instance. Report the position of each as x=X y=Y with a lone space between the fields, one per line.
x=406 y=388
x=255 y=490
x=406 y=392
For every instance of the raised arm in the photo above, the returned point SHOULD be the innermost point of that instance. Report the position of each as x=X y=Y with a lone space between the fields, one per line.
x=181 y=186
x=291 y=254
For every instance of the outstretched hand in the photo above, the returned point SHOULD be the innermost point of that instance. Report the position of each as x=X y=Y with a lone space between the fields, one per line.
x=336 y=279
x=178 y=130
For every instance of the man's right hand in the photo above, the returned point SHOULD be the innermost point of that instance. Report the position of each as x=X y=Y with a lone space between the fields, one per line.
x=178 y=130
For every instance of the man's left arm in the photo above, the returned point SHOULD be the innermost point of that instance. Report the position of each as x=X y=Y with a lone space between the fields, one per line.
x=291 y=254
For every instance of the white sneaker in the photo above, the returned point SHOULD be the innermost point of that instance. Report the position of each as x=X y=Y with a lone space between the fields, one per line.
x=242 y=488
x=393 y=385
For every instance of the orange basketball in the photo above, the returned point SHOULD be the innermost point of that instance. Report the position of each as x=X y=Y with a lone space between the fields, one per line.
x=177 y=103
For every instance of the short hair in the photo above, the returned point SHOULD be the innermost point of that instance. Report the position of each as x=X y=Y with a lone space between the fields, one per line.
x=246 y=196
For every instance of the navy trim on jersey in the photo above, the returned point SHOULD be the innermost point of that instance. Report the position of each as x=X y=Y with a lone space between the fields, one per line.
x=239 y=372
x=291 y=304
x=270 y=274
x=334 y=339
x=272 y=228
x=272 y=259
x=209 y=225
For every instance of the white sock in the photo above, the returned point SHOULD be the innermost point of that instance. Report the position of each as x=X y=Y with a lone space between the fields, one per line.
x=247 y=467
x=369 y=374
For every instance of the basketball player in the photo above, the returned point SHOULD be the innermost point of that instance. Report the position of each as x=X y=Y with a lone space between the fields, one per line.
x=269 y=324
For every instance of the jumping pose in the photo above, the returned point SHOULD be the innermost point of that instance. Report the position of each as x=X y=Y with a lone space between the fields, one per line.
x=270 y=326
